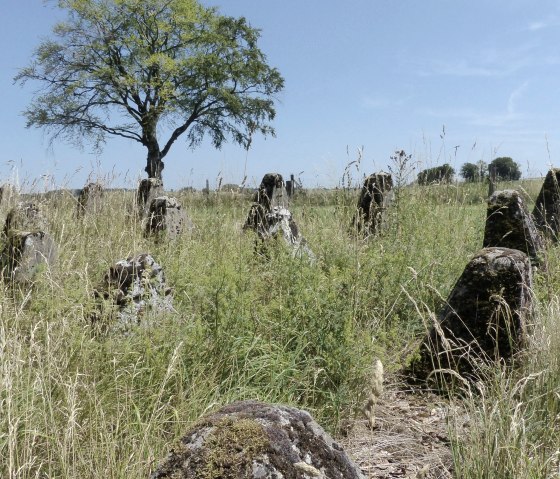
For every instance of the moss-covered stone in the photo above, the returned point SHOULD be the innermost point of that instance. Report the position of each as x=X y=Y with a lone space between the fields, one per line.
x=25 y=217
x=270 y=217
x=131 y=288
x=89 y=199
x=271 y=192
x=166 y=216
x=26 y=253
x=547 y=206
x=256 y=440
x=148 y=189
x=372 y=203
x=509 y=225
x=484 y=319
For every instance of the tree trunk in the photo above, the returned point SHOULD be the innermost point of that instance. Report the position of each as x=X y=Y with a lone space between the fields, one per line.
x=155 y=164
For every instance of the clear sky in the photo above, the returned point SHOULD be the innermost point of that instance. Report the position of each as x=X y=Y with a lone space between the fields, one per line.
x=445 y=80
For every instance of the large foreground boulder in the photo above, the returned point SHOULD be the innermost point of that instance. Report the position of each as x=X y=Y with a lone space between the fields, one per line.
x=25 y=254
x=547 y=206
x=255 y=440
x=484 y=319
x=372 y=203
x=132 y=288
x=509 y=225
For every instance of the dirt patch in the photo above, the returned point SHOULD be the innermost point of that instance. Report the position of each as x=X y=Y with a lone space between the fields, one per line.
x=410 y=438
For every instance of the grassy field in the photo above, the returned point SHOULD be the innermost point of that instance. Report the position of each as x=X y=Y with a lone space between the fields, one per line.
x=76 y=401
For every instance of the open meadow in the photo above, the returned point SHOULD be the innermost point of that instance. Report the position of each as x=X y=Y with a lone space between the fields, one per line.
x=78 y=399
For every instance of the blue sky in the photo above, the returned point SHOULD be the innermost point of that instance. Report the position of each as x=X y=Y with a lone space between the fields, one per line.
x=447 y=81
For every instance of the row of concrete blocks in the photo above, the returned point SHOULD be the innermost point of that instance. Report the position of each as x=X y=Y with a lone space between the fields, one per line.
x=272 y=440
x=28 y=246
x=486 y=317
x=162 y=214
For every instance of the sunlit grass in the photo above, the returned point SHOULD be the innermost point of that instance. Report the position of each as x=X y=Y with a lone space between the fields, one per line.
x=75 y=402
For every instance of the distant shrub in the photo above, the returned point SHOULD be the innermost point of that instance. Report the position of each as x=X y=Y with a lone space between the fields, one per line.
x=438 y=174
x=504 y=168
x=473 y=173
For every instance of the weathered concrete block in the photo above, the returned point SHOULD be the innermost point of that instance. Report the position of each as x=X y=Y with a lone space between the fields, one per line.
x=135 y=286
x=89 y=199
x=148 y=189
x=275 y=223
x=272 y=192
x=166 y=215
x=25 y=217
x=269 y=216
x=372 y=203
x=250 y=439
x=509 y=225
x=547 y=206
x=485 y=318
x=27 y=253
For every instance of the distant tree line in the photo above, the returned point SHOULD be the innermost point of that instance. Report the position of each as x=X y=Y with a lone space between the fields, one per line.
x=502 y=168
x=437 y=174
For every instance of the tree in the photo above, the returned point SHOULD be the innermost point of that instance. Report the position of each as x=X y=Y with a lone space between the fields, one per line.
x=504 y=168
x=474 y=172
x=140 y=69
x=438 y=174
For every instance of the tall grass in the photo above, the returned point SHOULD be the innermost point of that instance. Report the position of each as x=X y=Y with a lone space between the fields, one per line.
x=514 y=415
x=76 y=401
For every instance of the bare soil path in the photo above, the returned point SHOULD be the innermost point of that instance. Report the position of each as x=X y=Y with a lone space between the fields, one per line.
x=410 y=438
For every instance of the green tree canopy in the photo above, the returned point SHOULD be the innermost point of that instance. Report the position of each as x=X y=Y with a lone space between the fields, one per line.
x=504 y=168
x=473 y=172
x=151 y=69
x=437 y=174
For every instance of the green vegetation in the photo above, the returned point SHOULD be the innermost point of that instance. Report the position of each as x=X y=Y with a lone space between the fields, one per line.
x=474 y=172
x=437 y=174
x=78 y=402
x=139 y=69
x=504 y=168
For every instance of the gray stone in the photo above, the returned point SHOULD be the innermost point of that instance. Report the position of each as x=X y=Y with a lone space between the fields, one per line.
x=89 y=199
x=278 y=222
x=485 y=317
x=27 y=253
x=547 y=206
x=270 y=217
x=372 y=203
x=134 y=287
x=509 y=225
x=148 y=189
x=272 y=192
x=255 y=440
x=25 y=217
x=167 y=216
